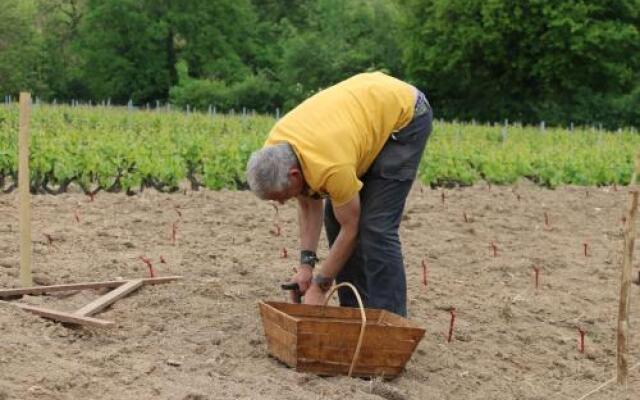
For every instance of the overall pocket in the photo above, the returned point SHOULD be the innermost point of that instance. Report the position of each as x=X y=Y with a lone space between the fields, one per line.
x=401 y=155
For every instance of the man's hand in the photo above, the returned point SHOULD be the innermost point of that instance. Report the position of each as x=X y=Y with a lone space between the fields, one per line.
x=303 y=279
x=314 y=296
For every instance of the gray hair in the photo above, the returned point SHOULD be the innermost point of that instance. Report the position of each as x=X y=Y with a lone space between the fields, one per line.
x=268 y=169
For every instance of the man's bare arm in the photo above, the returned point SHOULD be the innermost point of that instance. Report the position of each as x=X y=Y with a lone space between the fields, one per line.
x=348 y=216
x=310 y=216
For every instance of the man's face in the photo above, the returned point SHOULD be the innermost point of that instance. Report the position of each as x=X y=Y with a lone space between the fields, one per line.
x=296 y=184
x=282 y=197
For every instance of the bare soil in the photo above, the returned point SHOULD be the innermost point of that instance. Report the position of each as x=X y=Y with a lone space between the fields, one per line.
x=201 y=338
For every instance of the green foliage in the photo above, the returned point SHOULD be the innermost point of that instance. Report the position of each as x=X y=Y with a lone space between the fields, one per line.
x=527 y=60
x=253 y=92
x=101 y=148
x=339 y=39
x=116 y=149
x=117 y=37
x=19 y=47
x=463 y=154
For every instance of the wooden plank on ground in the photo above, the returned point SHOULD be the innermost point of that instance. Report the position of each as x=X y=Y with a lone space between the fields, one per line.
x=105 y=301
x=80 y=286
x=62 y=316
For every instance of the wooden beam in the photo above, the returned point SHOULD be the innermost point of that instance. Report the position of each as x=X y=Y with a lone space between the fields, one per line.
x=636 y=170
x=26 y=278
x=62 y=316
x=80 y=286
x=625 y=284
x=105 y=301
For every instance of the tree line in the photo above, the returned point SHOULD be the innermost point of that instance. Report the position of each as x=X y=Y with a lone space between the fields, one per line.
x=557 y=61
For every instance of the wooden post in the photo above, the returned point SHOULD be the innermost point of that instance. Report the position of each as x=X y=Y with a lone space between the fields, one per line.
x=625 y=284
x=634 y=176
x=26 y=279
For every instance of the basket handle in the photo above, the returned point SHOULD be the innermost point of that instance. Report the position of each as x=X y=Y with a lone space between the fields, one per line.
x=362 y=314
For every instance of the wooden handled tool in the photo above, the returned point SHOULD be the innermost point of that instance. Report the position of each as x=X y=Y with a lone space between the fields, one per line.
x=297 y=296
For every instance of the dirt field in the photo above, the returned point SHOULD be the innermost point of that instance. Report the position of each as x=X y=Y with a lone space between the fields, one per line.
x=201 y=338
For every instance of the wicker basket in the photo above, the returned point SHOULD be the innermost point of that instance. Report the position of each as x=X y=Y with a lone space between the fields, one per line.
x=329 y=340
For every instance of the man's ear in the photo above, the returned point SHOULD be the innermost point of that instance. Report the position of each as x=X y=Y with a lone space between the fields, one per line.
x=296 y=175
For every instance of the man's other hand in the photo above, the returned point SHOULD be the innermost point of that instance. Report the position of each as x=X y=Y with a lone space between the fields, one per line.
x=303 y=279
x=314 y=296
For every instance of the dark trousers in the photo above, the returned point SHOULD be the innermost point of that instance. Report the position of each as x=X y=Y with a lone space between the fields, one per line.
x=376 y=267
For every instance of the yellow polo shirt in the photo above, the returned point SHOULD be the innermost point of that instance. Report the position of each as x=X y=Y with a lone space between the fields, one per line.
x=338 y=132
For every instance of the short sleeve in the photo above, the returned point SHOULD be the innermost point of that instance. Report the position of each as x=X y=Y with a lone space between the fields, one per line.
x=342 y=185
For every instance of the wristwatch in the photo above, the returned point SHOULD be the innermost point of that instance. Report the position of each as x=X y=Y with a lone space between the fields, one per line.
x=323 y=282
x=308 y=257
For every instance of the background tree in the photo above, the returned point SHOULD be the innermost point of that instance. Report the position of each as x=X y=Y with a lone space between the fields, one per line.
x=338 y=39
x=58 y=22
x=19 y=48
x=124 y=48
x=529 y=60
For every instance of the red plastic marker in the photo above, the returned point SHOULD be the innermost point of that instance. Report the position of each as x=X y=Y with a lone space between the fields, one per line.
x=546 y=220
x=453 y=320
x=586 y=249
x=582 y=333
x=277 y=231
x=174 y=231
x=536 y=271
x=148 y=262
x=424 y=273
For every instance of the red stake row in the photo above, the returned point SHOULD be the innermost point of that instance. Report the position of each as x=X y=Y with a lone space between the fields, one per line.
x=582 y=332
x=149 y=265
x=494 y=248
x=424 y=273
x=546 y=221
x=277 y=231
x=174 y=232
x=453 y=320
x=536 y=272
